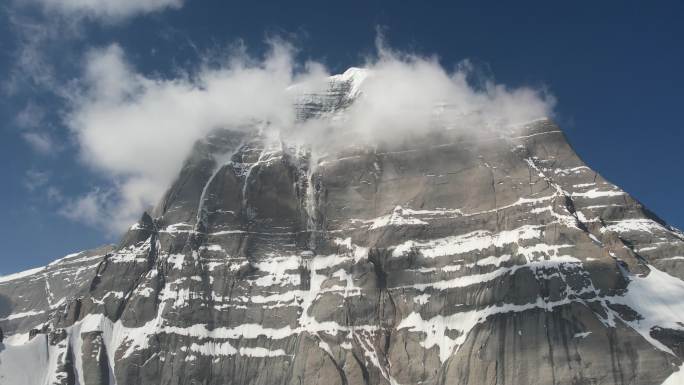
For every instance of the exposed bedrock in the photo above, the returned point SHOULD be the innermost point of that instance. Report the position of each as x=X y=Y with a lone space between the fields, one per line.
x=496 y=259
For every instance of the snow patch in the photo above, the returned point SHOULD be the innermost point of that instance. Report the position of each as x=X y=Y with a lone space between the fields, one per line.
x=459 y=244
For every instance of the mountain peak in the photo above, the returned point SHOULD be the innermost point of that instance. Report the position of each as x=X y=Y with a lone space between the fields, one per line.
x=355 y=76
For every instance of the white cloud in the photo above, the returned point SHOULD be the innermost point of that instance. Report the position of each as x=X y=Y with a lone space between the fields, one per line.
x=406 y=93
x=35 y=130
x=35 y=179
x=39 y=141
x=109 y=10
x=54 y=194
x=30 y=117
x=31 y=66
x=91 y=209
x=137 y=130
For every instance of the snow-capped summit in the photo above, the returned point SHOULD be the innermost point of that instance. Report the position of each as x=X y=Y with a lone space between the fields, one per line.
x=354 y=76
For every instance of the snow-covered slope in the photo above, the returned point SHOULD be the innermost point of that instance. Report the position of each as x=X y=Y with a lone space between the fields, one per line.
x=450 y=260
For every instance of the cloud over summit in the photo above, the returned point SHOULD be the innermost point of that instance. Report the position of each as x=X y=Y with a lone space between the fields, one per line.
x=407 y=93
x=137 y=129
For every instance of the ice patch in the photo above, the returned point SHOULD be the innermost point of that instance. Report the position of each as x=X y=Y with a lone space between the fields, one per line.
x=659 y=299
x=23 y=274
x=637 y=224
x=676 y=378
x=421 y=299
x=398 y=217
x=595 y=193
x=459 y=244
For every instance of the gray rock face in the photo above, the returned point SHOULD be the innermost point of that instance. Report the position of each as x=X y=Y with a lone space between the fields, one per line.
x=451 y=259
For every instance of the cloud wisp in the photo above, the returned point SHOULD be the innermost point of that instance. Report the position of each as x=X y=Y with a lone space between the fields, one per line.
x=137 y=130
x=106 y=10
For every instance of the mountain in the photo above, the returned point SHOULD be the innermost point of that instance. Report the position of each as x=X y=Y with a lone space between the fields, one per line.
x=499 y=258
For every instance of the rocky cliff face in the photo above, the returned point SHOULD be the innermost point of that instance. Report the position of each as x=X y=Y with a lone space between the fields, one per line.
x=449 y=259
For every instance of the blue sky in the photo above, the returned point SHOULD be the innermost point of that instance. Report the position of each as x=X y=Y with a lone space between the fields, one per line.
x=615 y=69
